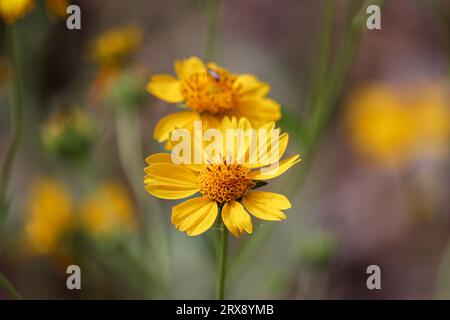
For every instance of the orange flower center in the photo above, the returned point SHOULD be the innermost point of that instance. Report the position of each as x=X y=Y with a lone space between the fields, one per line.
x=225 y=182
x=211 y=91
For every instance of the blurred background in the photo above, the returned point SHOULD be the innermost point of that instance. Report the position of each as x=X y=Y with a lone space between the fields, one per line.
x=375 y=188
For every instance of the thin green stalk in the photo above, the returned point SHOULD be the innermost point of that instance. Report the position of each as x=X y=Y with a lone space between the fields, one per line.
x=130 y=151
x=318 y=79
x=324 y=102
x=221 y=260
x=131 y=157
x=213 y=13
x=9 y=289
x=16 y=121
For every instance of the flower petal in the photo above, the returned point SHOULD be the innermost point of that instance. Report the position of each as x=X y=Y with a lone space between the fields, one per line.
x=195 y=216
x=187 y=67
x=165 y=87
x=170 y=181
x=159 y=158
x=236 y=141
x=166 y=125
x=209 y=121
x=236 y=219
x=266 y=205
x=249 y=85
x=258 y=111
x=267 y=173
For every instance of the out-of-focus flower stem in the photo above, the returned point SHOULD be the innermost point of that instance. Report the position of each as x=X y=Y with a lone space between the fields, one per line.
x=323 y=58
x=221 y=259
x=213 y=13
x=16 y=121
x=9 y=289
x=130 y=151
x=325 y=102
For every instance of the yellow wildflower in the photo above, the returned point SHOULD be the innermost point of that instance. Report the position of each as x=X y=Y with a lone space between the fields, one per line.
x=111 y=47
x=431 y=111
x=210 y=92
x=108 y=210
x=391 y=128
x=379 y=124
x=11 y=10
x=49 y=216
x=224 y=181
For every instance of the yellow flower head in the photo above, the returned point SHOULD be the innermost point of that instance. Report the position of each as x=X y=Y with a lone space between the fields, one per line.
x=112 y=47
x=390 y=128
x=225 y=180
x=57 y=8
x=210 y=93
x=11 y=10
x=380 y=125
x=108 y=210
x=49 y=216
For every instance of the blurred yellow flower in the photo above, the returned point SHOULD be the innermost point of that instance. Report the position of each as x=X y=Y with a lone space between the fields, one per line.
x=68 y=134
x=112 y=47
x=57 y=8
x=49 y=214
x=432 y=114
x=11 y=10
x=390 y=128
x=108 y=210
x=210 y=93
x=223 y=183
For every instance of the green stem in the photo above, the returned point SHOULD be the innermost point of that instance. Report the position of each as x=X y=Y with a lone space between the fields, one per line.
x=130 y=151
x=129 y=141
x=9 y=289
x=221 y=260
x=325 y=102
x=16 y=120
x=213 y=12
x=318 y=79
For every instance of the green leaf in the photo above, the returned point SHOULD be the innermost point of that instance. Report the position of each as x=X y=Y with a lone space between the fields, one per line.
x=259 y=184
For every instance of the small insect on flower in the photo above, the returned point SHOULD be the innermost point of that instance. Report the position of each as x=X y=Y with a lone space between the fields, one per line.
x=12 y=10
x=210 y=93
x=225 y=182
x=213 y=73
